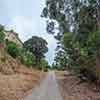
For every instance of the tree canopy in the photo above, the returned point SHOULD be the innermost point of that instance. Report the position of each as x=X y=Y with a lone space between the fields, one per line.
x=38 y=46
x=81 y=15
x=78 y=25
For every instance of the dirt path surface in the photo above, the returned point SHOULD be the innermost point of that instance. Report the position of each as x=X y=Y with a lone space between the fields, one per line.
x=48 y=89
x=72 y=89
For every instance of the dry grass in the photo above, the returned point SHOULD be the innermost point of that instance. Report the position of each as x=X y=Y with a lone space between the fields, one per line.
x=15 y=79
x=61 y=74
x=8 y=64
x=14 y=87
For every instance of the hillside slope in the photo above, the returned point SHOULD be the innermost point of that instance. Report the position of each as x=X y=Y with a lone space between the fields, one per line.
x=15 y=79
x=8 y=65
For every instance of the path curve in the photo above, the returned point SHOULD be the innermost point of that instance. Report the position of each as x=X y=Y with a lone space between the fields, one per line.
x=48 y=89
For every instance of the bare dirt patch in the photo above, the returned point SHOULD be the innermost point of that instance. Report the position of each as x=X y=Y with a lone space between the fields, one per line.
x=16 y=79
x=72 y=90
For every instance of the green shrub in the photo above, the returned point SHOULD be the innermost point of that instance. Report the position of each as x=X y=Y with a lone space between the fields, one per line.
x=26 y=57
x=12 y=49
x=2 y=36
x=23 y=55
x=44 y=65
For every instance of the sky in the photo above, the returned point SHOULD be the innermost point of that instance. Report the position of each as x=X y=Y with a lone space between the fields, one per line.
x=23 y=16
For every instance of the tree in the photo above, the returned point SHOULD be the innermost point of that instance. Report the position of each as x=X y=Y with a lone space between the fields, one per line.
x=82 y=15
x=38 y=46
x=61 y=59
x=78 y=25
x=53 y=9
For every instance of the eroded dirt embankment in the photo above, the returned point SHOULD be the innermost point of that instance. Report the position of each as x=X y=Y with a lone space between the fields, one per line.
x=15 y=78
x=16 y=86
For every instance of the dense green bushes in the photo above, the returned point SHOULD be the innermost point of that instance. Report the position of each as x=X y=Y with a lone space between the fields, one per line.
x=44 y=65
x=83 y=56
x=2 y=35
x=12 y=49
x=23 y=55
x=26 y=57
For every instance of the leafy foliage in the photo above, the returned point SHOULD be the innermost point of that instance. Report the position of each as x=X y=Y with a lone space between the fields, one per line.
x=32 y=55
x=2 y=36
x=81 y=15
x=60 y=60
x=83 y=55
x=37 y=46
x=53 y=9
x=44 y=65
x=26 y=57
x=12 y=49
x=78 y=35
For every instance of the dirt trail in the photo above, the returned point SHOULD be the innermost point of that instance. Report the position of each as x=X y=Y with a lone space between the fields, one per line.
x=71 y=89
x=48 y=89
